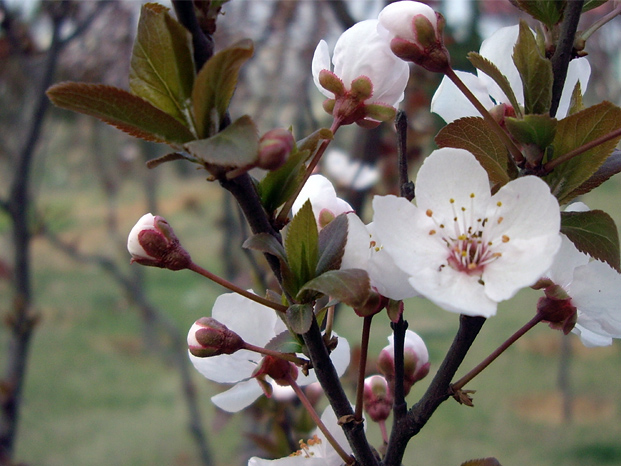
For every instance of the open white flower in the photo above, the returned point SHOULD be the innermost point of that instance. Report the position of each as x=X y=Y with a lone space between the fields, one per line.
x=315 y=452
x=594 y=289
x=360 y=52
x=451 y=104
x=257 y=325
x=463 y=248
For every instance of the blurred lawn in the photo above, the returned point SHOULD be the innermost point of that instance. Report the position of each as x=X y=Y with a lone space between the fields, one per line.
x=95 y=396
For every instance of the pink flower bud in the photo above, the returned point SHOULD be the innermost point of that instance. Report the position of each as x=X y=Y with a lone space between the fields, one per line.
x=416 y=31
x=208 y=337
x=415 y=361
x=153 y=242
x=274 y=148
x=377 y=398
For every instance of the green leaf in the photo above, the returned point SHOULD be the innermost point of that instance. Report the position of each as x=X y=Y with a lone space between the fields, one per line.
x=610 y=167
x=301 y=245
x=594 y=233
x=590 y=4
x=549 y=12
x=300 y=317
x=474 y=135
x=350 y=286
x=484 y=65
x=285 y=343
x=312 y=141
x=162 y=67
x=264 y=242
x=119 y=108
x=278 y=185
x=535 y=71
x=332 y=240
x=482 y=462
x=535 y=133
x=573 y=132
x=236 y=146
x=168 y=158
x=575 y=104
x=215 y=85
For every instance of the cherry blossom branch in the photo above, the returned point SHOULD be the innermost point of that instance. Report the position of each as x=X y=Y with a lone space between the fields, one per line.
x=329 y=380
x=315 y=417
x=564 y=51
x=489 y=119
x=548 y=167
x=437 y=392
x=497 y=352
x=226 y=284
x=364 y=350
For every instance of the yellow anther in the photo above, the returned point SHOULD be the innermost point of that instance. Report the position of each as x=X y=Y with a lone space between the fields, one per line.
x=505 y=239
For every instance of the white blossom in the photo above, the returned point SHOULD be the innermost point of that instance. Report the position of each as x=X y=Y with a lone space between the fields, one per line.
x=463 y=248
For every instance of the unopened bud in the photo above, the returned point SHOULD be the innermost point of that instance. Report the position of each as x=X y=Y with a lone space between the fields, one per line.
x=153 y=242
x=374 y=304
x=208 y=337
x=415 y=361
x=416 y=31
x=377 y=398
x=274 y=148
x=557 y=309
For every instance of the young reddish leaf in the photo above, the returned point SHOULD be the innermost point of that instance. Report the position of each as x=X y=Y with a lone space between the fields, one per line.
x=215 y=84
x=594 y=233
x=484 y=65
x=301 y=245
x=312 y=141
x=236 y=146
x=300 y=317
x=332 y=240
x=474 y=135
x=119 y=108
x=610 y=167
x=573 y=132
x=535 y=71
x=350 y=286
x=162 y=67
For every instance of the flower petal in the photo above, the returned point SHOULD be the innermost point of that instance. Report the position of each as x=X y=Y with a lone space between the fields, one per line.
x=579 y=70
x=451 y=104
x=498 y=48
x=239 y=397
x=321 y=61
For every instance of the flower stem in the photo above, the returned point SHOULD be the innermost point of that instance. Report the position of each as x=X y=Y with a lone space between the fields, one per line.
x=488 y=360
x=493 y=124
x=276 y=354
x=584 y=36
x=364 y=350
x=225 y=283
x=315 y=417
x=548 y=167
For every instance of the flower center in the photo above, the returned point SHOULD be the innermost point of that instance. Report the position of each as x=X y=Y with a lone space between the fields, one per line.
x=307 y=447
x=470 y=242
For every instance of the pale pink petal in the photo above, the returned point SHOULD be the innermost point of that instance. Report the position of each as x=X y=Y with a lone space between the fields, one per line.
x=321 y=61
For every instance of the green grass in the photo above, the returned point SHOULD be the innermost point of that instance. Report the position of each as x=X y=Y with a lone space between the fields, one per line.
x=96 y=395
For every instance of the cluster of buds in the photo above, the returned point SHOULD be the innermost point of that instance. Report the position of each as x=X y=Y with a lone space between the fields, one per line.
x=153 y=242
